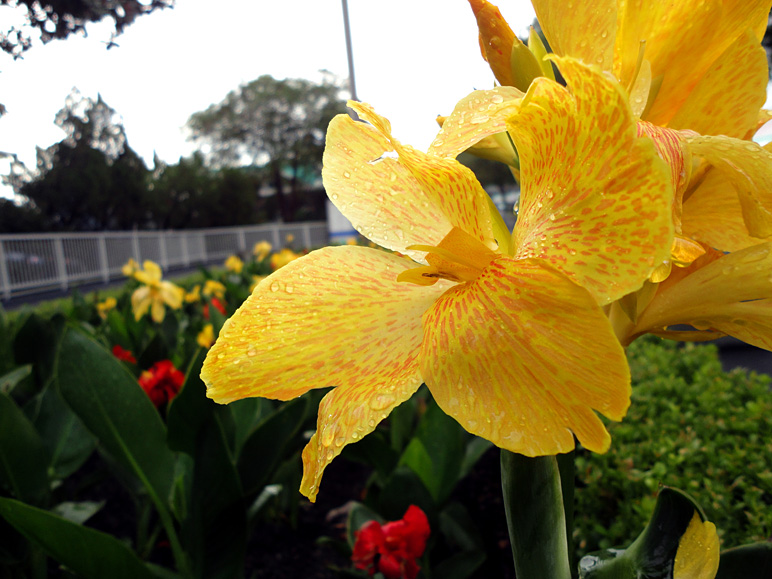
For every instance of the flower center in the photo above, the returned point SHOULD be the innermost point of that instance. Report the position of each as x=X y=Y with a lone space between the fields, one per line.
x=459 y=257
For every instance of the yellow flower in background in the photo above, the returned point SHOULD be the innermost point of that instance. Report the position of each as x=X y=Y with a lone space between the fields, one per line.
x=282 y=258
x=193 y=295
x=205 y=337
x=261 y=250
x=234 y=264
x=496 y=324
x=154 y=294
x=213 y=288
x=104 y=307
x=289 y=238
x=130 y=267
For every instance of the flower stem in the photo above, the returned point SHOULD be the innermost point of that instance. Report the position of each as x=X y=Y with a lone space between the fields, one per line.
x=533 y=500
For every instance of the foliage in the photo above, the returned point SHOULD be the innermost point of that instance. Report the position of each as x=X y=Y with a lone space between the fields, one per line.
x=58 y=19
x=689 y=426
x=276 y=124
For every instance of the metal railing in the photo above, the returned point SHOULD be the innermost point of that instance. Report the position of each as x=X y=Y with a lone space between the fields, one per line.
x=49 y=261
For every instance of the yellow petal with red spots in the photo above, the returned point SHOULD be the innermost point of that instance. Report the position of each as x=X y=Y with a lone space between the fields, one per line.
x=595 y=200
x=727 y=99
x=726 y=292
x=496 y=40
x=524 y=357
x=585 y=31
x=712 y=214
x=336 y=317
x=397 y=196
x=748 y=167
x=698 y=551
x=481 y=114
x=680 y=54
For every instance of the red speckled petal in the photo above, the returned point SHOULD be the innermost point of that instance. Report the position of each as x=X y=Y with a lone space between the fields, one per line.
x=336 y=317
x=724 y=292
x=522 y=356
x=712 y=214
x=585 y=30
x=748 y=167
x=595 y=199
x=496 y=40
x=476 y=116
x=404 y=198
x=727 y=99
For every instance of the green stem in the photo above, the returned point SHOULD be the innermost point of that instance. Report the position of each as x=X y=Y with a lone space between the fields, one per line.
x=533 y=500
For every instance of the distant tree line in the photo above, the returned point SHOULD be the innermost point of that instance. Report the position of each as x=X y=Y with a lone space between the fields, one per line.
x=260 y=161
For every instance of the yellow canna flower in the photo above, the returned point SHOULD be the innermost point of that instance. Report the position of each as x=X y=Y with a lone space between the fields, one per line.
x=213 y=288
x=261 y=250
x=698 y=554
x=496 y=326
x=234 y=264
x=130 y=267
x=205 y=337
x=282 y=258
x=193 y=295
x=106 y=306
x=154 y=294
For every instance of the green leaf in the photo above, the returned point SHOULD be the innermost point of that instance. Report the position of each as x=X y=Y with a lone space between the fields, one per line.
x=459 y=528
x=77 y=513
x=746 y=562
x=247 y=414
x=68 y=441
x=652 y=554
x=402 y=489
x=88 y=553
x=108 y=400
x=23 y=456
x=459 y=566
x=9 y=381
x=437 y=452
x=275 y=437
x=35 y=344
x=190 y=410
x=475 y=449
x=358 y=517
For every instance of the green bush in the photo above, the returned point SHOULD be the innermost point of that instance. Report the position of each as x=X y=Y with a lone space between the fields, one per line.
x=691 y=426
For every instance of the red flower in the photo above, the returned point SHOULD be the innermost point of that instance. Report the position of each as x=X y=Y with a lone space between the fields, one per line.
x=124 y=355
x=394 y=547
x=161 y=382
x=217 y=304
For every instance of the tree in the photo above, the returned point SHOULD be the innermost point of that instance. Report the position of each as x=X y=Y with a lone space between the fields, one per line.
x=57 y=19
x=278 y=125
x=92 y=179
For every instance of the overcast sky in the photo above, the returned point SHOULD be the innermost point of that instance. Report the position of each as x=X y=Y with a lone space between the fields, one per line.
x=413 y=60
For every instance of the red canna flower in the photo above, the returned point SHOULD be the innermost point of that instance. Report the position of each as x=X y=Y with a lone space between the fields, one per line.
x=124 y=355
x=217 y=304
x=161 y=382
x=394 y=547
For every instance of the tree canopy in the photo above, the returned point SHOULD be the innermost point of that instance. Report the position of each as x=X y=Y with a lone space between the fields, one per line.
x=278 y=125
x=57 y=19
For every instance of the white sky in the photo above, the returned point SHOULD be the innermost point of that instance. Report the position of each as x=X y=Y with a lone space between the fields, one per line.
x=413 y=60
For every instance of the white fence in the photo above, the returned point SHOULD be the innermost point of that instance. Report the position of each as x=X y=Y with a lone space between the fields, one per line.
x=45 y=261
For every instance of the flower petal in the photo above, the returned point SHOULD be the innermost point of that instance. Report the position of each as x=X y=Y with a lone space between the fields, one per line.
x=522 y=356
x=697 y=556
x=712 y=214
x=586 y=33
x=158 y=311
x=140 y=301
x=496 y=40
x=730 y=293
x=480 y=114
x=748 y=167
x=336 y=317
x=727 y=99
x=595 y=199
x=397 y=196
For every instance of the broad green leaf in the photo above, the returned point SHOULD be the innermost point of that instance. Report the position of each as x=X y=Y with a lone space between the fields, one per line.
x=247 y=414
x=402 y=489
x=190 y=410
x=358 y=517
x=111 y=404
x=23 y=456
x=459 y=528
x=475 y=449
x=270 y=442
x=12 y=378
x=652 y=554
x=68 y=441
x=375 y=451
x=746 y=562
x=88 y=553
x=35 y=344
x=460 y=566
